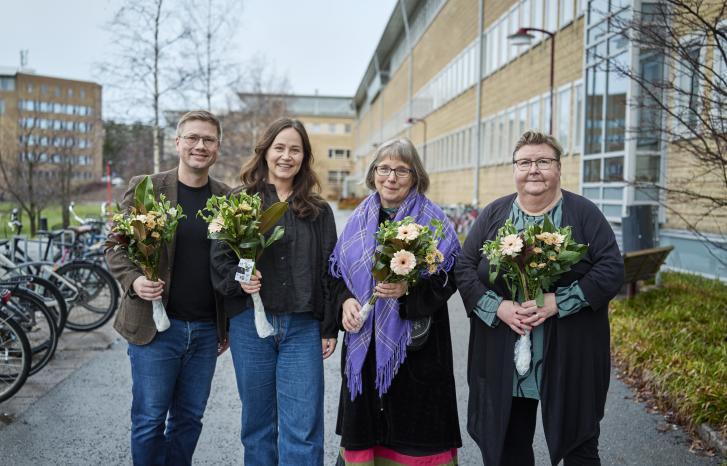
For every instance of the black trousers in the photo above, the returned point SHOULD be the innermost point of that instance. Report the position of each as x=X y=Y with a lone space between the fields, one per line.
x=518 y=448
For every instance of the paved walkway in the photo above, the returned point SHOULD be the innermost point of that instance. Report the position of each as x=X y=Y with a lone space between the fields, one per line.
x=84 y=420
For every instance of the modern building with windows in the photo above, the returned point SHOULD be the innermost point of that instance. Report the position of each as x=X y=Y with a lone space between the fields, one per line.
x=446 y=74
x=53 y=122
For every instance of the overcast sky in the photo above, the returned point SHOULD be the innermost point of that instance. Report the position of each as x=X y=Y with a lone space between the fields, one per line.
x=320 y=45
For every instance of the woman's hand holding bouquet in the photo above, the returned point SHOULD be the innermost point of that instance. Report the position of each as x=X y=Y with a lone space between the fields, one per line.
x=530 y=262
x=239 y=222
x=404 y=252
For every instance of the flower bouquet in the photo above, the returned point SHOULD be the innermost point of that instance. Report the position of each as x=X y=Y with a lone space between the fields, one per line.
x=405 y=250
x=142 y=231
x=531 y=262
x=237 y=221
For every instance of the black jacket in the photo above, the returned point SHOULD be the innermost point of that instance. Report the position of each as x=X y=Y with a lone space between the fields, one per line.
x=419 y=411
x=576 y=353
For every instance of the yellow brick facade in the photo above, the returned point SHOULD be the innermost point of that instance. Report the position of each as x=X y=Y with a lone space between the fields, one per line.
x=325 y=138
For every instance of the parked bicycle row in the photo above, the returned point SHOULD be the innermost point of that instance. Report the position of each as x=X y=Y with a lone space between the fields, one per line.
x=55 y=281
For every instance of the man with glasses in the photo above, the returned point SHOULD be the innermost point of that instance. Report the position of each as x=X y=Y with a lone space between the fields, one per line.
x=172 y=371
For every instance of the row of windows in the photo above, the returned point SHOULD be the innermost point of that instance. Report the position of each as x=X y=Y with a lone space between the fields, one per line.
x=422 y=17
x=500 y=132
x=328 y=128
x=550 y=15
x=459 y=75
x=336 y=177
x=54 y=107
x=339 y=154
x=54 y=174
x=44 y=157
x=54 y=141
x=58 y=125
x=57 y=91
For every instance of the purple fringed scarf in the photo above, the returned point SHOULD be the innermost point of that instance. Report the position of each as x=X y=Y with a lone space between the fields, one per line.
x=353 y=258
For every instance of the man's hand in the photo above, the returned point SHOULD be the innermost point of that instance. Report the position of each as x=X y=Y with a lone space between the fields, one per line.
x=147 y=289
x=222 y=347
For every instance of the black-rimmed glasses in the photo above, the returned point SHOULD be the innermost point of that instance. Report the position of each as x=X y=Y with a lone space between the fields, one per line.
x=398 y=172
x=542 y=164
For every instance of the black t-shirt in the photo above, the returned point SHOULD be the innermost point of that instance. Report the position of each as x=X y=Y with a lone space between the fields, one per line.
x=190 y=296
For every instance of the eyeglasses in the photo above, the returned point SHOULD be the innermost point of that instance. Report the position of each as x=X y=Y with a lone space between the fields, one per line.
x=542 y=164
x=193 y=139
x=398 y=172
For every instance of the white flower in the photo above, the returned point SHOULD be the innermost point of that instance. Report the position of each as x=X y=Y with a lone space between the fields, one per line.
x=141 y=218
x=172 y=212
x=407 y=232
x=216 y=225
x=511 y=245
x=559 y=238
x=403 y=262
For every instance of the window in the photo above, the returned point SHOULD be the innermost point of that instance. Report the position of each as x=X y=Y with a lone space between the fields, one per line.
x=82 y=93
x=2 y=106
x=29 y=88
x=347 y=127
x=616 y=104
x=566 y=12
x=719 y=92
x=538 y=13
x=339 y=154
x=525 y=8
x=688 y=89
x=44 y=89
x=563 y=116
x=336 y=177
x=592 y=171
x=534 y=122
x=7 y=84
x=332 y=128
x=578 y=140
x=551 y=15
x=595 y=94
x=648 y=100
x=70 y=92
x=57 y=91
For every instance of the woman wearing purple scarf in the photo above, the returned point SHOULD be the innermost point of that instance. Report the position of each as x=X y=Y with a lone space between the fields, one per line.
x=398 y=400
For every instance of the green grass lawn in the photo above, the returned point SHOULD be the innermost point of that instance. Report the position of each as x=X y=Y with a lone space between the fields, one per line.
x=52 y=213
x=674 y=338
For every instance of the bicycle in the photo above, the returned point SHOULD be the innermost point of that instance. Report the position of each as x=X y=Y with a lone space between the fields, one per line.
x=15 y=355
x=90 y=292
x=36 y=320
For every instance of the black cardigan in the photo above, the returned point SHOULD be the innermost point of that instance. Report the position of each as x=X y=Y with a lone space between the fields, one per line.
x=419 y=411
x=277 y=295
x=576 y=353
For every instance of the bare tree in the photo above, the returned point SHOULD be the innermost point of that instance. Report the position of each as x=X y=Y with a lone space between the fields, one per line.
x=211 y=25
x=128 y=146
x=681 y=105
x=262 y=97
x=24 y=163
x=147 y=66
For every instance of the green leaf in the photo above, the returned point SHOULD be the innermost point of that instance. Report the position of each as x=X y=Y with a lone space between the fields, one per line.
x=539 y=298
x=277 y=233
x=548 y=224
x=271 y=216
x=141 y=194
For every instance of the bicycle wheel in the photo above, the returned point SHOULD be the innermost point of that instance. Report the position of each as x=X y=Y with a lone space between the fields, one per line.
x=52 y=298
x=38 y=323
x=14 y=357
x=91 y=294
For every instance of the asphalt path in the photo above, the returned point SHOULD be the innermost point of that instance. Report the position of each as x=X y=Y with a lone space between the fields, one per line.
x=84 y=420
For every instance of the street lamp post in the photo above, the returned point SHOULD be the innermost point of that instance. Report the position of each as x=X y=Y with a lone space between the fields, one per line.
x=523 y=37
x=413 y=121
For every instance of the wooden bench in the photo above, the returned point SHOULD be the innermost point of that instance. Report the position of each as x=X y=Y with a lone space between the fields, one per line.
x=642 y=265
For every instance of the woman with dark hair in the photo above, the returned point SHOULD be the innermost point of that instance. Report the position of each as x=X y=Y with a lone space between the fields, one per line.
x=398 y=402
x=280 y=377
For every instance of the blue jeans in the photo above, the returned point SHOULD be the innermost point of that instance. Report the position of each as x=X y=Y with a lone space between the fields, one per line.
x=171 y=381
x=280 y=380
